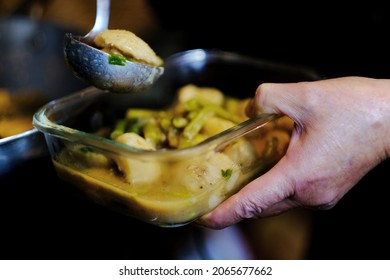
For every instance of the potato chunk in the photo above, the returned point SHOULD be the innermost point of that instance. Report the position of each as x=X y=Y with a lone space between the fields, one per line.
x=128 y=44
x=242 y=153
x=204 y=94
x=204 y=173
x=137 y=170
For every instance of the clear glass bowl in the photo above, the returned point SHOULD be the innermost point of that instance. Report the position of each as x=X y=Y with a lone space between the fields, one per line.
x=168 y=187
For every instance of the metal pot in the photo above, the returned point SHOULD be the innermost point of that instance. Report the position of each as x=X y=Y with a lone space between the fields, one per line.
x=32 y=59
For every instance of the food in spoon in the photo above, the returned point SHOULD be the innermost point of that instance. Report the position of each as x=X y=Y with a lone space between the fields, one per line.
x=118 y=61
x=127 y=44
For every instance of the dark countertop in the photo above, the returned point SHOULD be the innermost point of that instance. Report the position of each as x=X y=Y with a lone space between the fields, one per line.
x=41 y=219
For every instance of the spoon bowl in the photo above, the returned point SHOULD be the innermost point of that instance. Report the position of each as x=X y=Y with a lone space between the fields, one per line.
x=92 y=65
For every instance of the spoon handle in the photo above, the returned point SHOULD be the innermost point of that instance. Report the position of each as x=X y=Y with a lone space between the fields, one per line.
x=101 y=21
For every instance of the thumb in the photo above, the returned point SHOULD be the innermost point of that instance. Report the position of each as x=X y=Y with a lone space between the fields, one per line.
x=275 y=98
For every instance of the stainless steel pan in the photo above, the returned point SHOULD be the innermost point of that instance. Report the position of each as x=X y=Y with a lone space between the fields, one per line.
x=32 y=59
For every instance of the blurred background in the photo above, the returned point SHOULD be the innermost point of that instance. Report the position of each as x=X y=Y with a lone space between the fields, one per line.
x=40 y=220
x=80 y=15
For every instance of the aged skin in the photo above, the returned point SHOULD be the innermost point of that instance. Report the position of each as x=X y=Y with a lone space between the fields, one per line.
x=341 y=132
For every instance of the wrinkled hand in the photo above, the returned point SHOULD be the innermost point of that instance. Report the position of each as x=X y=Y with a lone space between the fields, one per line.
x=341 y=132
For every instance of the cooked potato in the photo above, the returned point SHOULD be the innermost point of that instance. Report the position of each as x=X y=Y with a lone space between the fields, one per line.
x=204 y=94
x=135 y=170
x=200 y=175
x=128 y=44
x=215 y=125
x=242 y=153
x=88 y=157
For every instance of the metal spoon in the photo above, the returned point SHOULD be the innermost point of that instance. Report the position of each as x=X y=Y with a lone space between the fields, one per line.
x=92 y=65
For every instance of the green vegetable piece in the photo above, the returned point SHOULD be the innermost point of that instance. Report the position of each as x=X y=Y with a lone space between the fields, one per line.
x=119 y=129
x=140 y=113
x=134 y=125
x=153 y=133
x=117 y=59
x=179 y=122
x=226 y=173
x=224 y=113
x=165 y=123
x=86 y=149
x=196 y=124
x=185 y=143
x=192 y=104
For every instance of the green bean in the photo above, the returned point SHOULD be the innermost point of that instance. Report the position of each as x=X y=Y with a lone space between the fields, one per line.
x=184 y=124
x=179 y=122
x=134 y=125
x=195 y=125
x=153 y=133
x=140 y=113
x=219 y=111
x=119 y=129
x=166 y=123
x=195 y=103
x=185 y=142
x=192 y=104
x=191 y=115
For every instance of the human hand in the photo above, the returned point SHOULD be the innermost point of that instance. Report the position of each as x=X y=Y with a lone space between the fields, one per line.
x=341 y=132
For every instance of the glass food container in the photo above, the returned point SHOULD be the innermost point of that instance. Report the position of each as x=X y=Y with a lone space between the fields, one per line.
x=168 y=187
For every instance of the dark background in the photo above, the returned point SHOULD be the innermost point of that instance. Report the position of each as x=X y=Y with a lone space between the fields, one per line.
x=335 y=39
